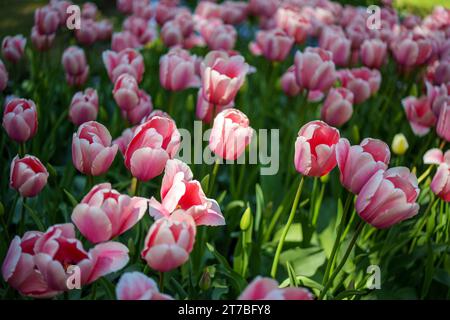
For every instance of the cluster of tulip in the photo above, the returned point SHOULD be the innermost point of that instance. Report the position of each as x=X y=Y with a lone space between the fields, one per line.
x=202 y=50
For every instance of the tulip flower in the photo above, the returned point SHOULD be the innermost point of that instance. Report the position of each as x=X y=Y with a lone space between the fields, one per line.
x=141 y=29
x=443 y=124
x=169 y=241
x=13 y=48
x=177 y=71
x=437 y=96
x=142 y=110
x=338 y=107
x=233 y=12
x=419 y=114
x=84 y=106
x=399 y=144
x=125 y=6
x=41 y=265
x=440 y=185
x=409 y=52
x=337 y=44
x=289 y=84
x=124 y=40
x=220 y=37
x=75 y=66
x=104 y=213
x=294 y=22
x=137 y=286
x=264 y=8
x=20 y=119
x=92 y=152
x=267 y=289
x=42 y=42
x=28 y=176
x=205 y=111
x=3 y=76
x=373 y=53
x=363 y=82
x=273 y=44
x=87 y=34
x=172 y=34
x=46 y=20
x=89 y=10
x=389 y=197
x=127 y=61
x=231 y=134
x=124 y=139
x=315 y=149
x=222 y=77
x=436 y=156
x=357 y=164
x=126 y=92
x=104 y=29
x=179 y=190
x=155 y=142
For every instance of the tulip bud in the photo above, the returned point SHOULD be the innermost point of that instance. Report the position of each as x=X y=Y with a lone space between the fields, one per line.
x=205 y=280
x=246 y=220
x=399 y=144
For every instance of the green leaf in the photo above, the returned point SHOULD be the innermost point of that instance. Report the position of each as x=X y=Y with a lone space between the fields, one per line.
x=305 y=261
x=71 y=198
x=292 y=277
x=205 y=182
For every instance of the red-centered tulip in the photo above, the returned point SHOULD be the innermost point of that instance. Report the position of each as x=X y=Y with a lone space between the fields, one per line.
x=154 y=142
x=28 y=175
x=338 y=107
x=289 y=84
x=419 y=114
x=315 y=149
x=127 y=61
x=314 y=69
x=205 y=111
x=126 y=92
x=143 y=109
x=177 y=70
x=231 y=134
x=75 y=66
x=104 y=213
x=3 y=76
x=443 y=124
x=92 y=152
x=363 y=82
x=20 y=119
x=137 y=286
x=87 y=34
x=40 y=264
x=169 y=241
x=357 y=164
x=273 y=44
x=389 y=197
x=440 y=185
x=124 y=40
x=373 y=53
x=84 y=106
x=268 y=289
x=46 y=20
x=222 y=77
x=42 y=42
x=13 y=48
x=180 y=191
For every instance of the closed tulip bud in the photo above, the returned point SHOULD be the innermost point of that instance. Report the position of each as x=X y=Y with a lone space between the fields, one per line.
x=246 y=219
x=373 y=53
x=169 y=241
x=289 y=84
x=89 y=10
x=46 y=20
x=172 y=34
x=399 y=144
x=142 y=110
x=205 y=281
x=3 y=76
x=273 y=44
x=389 y=197
x=363 y=82
x=75 y=65
x=221 y=37
x=177 y=71
x=13 y=48
x=124 y=40
x=443 y=124
x=141 y=29
x=233 y=12
x=231 y=134
x=92 y=152
x=315 y=149
x=104 y=29
x=127 y=61
x=20 y=119
x=28 y=176
x=337 y=44
x=42 y=42
x=338 y=107
x=409 y=52
x=126 y=92
x=84 y=106
x=87 y=34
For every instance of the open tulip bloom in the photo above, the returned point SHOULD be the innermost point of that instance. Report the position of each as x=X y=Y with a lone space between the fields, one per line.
x=268 y=150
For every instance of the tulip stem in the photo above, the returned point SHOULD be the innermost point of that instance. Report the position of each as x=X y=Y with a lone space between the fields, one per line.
x=22 y=149
x=134 y=188
x=213 y=177
x=358 y=230
x=273 y=272
x=424 y=175
x=161 y=281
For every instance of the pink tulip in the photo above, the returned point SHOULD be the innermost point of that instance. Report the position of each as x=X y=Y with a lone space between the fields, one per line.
x=75 y=66
x=273 y=44
x=436 y=156
x=222 y=77
x=265 y=8
x=289 y=84
x=419 y=114
x=442 y=72
x=443 y=123
x=231 y=134
x=104 y=213
x=104 y=29
x=267 y=289
x=363 y=82
x=169 y=241
x=233 y=12
x=127 y=61
x=137 y=286
x=84 y=106
x=338 y=45
x=388 y=197
x=438 y=97
x=61 y=7
x=208 y=10
x=139 y=112
x=143 y=9
x=141 y=29
x=164 y=13
x=89 y=10
x=13 y=48
x=92 y=152
x=206 y=111
x=20 y=119
x=357 y=164
x=373 y=53
x=185 y=21
x=177 y=71
x=338 y=107
x=440 y=185
x=41 y=264
x=123 y=141
x=314 y=69
x=46 y=20
x=221 y=37
x=172 y=34
x=315 y=149
x=126 y=92
x=87 y=34
x=124 y=40
x=42 y=42
x=294 y=22
x=155 y=142
x=28 y=176
x=125 y=6
x=3 y=76
x=180 y=191
x=409 y=52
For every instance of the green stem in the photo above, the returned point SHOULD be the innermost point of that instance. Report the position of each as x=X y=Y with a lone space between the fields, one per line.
x=273 y=272
x=213 y=177
x=161 y=281
x=344 y=259
x=134 y=188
